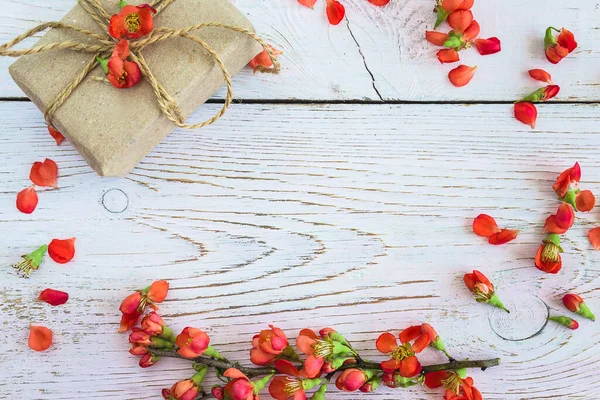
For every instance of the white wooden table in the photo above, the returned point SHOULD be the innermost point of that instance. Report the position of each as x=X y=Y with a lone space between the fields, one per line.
x=339 y=193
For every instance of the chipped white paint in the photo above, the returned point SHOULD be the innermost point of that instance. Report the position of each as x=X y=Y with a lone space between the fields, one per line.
x=380 y=53
x=347 y=215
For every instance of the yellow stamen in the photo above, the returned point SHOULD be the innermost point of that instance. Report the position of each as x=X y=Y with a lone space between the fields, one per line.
x=24 y=267
x=132 y=22
x=452 y=383
x=292 y=386
x=402 y=352
x=323 y=348
x=550 y=252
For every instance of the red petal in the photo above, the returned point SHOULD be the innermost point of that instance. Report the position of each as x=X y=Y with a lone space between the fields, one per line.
x=58 y=137
x=386 y=343
x=54 y=297
x=287 y=368
x=461 y=75
x=485 y=226
x=390 y=365
x=460 y=20
x=121 y=50
x=585 y=201
x=470 y=281
x=566 y=39
x=483 y=279
x=575 y=172
x=308 y=3
x=448 y=56
x=437 y=38
x=540 y=75
x=379 y=3
x=488 y=46
x=550 y=91
x=565 y=216
x=27 y=200
x=263 y=58
x=472 y=32
x=410 y=367
x=594 y=236
x=44 y=173
x=421 y=343
x=551 y=227
x=40 y=338
x=62 y=251
x=504 y=236
x=313 y=366
x=526 y=113
x=133 y=74
x=434 y=379
x=335 y=12
x=556 y=53
x=410 y=333
x=158 y=291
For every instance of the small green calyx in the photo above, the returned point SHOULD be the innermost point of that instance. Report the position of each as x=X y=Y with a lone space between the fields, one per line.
x=198 y=377
x=339 y=338
x=211 y=352
x=549 y=39
x=565 y=321
x=570 y=197
x=104 y=65
x=462 y=373
x=454 y=41
x=122 y=3
x=554 y=239
x=585 y=312
x=441 y=16
x=168 y=334
x=160 y=343
x=261 y=383
x=495 y=301
x=337 y=362
x=401 y=381
x=290 y=354
x=320 y=394
x=308 y=384
x=535 y=97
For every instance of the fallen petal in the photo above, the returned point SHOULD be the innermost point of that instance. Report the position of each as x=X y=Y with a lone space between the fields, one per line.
x=540 y=75
x=460 y=20
x=485 y=226
x=335 y=12
x=44 y=173
x=487 y=46
x=472 y=32
x=448 y=56
x=461 y=75
x=437 y=38
x=551 y=227
x=58 y=137
x=502 y=237
x=27 y=200
x=379 y=3
x=308 y=3
x=40 y=338
x=263 y=60
x=53 y=297
x=585 y=201
x=62 y=251
x=526 y=113
x=565 y=216
x=594 y=236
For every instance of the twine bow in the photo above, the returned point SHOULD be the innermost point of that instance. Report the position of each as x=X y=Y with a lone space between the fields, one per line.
x=104 y=44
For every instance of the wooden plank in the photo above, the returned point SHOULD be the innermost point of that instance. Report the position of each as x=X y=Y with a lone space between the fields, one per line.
x=380 y=53
x=351 y=216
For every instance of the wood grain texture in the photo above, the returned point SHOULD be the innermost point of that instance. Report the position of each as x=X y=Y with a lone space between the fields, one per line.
x=354 y=216
x=381 y=54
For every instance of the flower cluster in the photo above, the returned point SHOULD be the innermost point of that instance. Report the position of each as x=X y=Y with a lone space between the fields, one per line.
x=288 y=372
x=463 y=35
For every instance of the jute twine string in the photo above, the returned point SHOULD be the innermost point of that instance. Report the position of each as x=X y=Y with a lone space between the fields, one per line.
x=104 y=45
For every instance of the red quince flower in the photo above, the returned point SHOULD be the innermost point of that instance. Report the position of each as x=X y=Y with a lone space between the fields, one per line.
x=486 y=226
x=121 y=72
x=291 y=386
x=460 y=20
x=548 y=257
x=31 y=261
x=461 y=75
x=594 y=237
x=559 y=47
x=44 y=173
x=40 y=338
x=187 y=389
x=62 y=251
x=134 y=305
x=27 y=200
x=56 y=135
x=321 y=350
x=540 y=75
x=217 y=392
x=437 y=38
x=352 y=379
x=272 y=341
x=565 y=321
x=308 y=3
x=402 y=357
x=448 y=56
x=240 y=387
x=482 y=289
x=133 y=22
x=379 y=3
x=526 y=113
x=566 y=178
x=154 y=325
x=335 y=11
x=192 y=342
x=471 y=32
x=263 y=60
x=575 y=303
x=565 y=216
x=424 y=335
x=457 y=387
x=259 y=357
x=53 y=297
x=148 y=360
x=487 y=46
x=138 y=350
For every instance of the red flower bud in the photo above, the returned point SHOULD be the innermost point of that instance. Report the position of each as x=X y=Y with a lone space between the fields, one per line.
x=217 y=391
x=448 y=56
x=351 y=380
x=540 y=75
x=54 y=297
x=153 y=324
x=182 y=390
x=138 y=349
x=148 y=360
x=487 y=46
x=192 y=342
x=526 y=113
x=121 y=73
x=461 y=75
x=575 y=303
x=566 y=321
x=27 y=200
x=437 y=38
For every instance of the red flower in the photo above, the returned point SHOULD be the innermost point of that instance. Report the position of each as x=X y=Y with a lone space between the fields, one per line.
x=402 y=358
x=148 y=360
x=27 y=200
x=192 y=342
x=132 y=22
x=457 y=387
x=263 y=60
x=460 y=20
x=154 y=325
x=565 y=216
x=540 y=75
x=424 y=335
x=448 y=56
x=575 y=303
x=461 y=75
x=240 y=387
x=566 y=321
x=472 y=31
x=437 y=38
x=548 y=257
x=134 y=305
x=121 y=73
x=526 y=113
x=335 y=11
x=44 y=173
x=182 y=390
x=486 y=226
x=40 y=338
x=487 y=46
x=53 y=297
x=482 y=289
x=308 y=3
x=62 y=251
x=352 y=379
x=58 y=137
x=560 y=47
x=594 y=237
x=272 y=341
x=564 y=180
x=292 y=385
